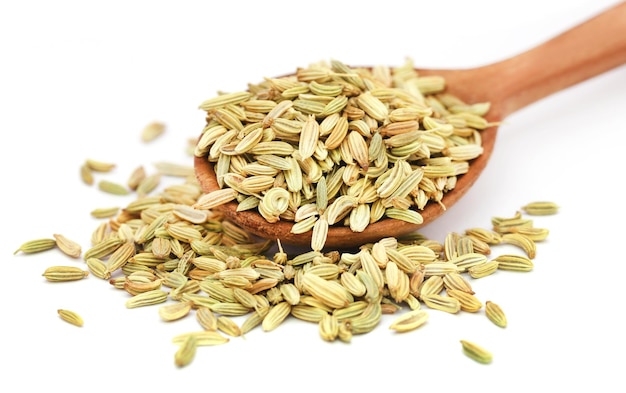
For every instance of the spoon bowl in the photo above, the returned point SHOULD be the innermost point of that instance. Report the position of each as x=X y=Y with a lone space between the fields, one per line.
x=589 y=49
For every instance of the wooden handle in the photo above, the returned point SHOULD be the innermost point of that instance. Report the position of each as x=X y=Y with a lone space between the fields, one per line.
x=596 y=46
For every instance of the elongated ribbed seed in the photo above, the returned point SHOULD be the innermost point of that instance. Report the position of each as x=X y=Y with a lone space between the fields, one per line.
x=409 y=321
x=37 y=245
x=276 y=316
x=442 y=303
x=148 y=298
x=71 y=317
x=495 y=314
x=203 y=338
x=518 y=263
x=476 y=352
x=540 y=208
x=186 y=351
x=64 y=273
x=174 y=311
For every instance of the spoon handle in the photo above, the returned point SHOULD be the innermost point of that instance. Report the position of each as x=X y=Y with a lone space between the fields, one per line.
x=587 y=50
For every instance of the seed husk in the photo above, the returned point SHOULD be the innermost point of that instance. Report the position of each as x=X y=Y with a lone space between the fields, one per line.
x=71 y=317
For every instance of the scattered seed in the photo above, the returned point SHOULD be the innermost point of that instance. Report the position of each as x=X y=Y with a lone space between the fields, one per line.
x=71 y=317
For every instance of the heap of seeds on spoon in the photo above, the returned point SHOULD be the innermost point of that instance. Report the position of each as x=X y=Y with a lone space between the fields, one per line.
x=318 y=147
x=334 y=145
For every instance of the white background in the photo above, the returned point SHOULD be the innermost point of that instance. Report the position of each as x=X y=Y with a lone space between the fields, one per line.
x=80 y=80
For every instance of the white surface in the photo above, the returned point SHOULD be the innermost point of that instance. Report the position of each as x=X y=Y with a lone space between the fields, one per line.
x=80 y=79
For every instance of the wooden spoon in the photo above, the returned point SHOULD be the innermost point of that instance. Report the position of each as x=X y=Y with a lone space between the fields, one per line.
x=587 y=50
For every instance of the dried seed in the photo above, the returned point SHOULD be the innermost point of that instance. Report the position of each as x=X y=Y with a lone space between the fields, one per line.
x=540 y=208
x=469 y=302
x=105 y=212
x=152 y=131
x=442 y=303
x=495 y=314
x=409 y=321
x=37 y=245
x=112 y=188
x=324 y=291
x=136 y=177
x=511 y=262
x=148 y=184
x=71 y=317
x=483 y=270
x=148 y=298
x=329 y=327
x=172 y=312
x=99 y=166
x=521 y=241
x=476 y=352
x=98 y=268
x=68 y=246
x=86 y=174
x=276 y=316
x=228 y=326
x=186 y=351
x=64 y=273
x=203 y=338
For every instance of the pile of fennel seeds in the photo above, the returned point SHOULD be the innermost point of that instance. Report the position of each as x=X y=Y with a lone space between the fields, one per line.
x=190 y=263
x=334 y=145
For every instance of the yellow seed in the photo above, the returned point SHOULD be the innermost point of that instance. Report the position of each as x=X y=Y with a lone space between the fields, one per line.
x=172 y=312
x=540 y=208
x=228 y=326
x=469 y=302
x=86 y=174
x=105 y=212
x=495 y=314
x=329 y=327
x=207 y=319
x=186 y=352
x=521 y=241
x=409 y=321
x=71 y=317
x=203 y=338
x=518 y=263
x=152 y=131
x=476 y=352
x=276 y=316
x=37 y=245
x=68 y=246
x=148 y=298
x=64 y=273
x=112 y=187
x=99 y=166
x=442 y=303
